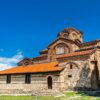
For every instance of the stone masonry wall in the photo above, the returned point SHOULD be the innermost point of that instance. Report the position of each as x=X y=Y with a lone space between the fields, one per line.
x=77 y=77
x=38 y=83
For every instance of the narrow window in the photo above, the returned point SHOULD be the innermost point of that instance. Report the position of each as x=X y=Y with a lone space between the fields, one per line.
x=8 y=81
x=69 y=76
x=27 y=78
x=71 y=66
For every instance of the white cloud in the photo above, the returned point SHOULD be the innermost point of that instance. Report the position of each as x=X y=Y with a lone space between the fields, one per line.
x=6 y=63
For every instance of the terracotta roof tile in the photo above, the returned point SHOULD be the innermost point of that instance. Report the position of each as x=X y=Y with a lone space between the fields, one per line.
x=80 y=53
x=90 y=43
x=35 y=68
x=44 y=56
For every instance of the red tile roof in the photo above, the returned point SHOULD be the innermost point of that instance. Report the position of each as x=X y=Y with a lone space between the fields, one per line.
x=80 y=53
x=44 y=56
x=35 y=68
x=90 y=43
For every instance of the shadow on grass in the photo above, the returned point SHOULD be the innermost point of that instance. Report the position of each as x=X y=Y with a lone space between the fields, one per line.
x=89 y=93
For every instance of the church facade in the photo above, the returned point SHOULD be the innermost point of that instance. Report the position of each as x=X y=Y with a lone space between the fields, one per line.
x=66 y=64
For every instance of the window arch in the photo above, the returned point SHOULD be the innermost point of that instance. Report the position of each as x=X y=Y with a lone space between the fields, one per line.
x=65 y=35
x=74 y=34
x=62 y=48
x=72 y=65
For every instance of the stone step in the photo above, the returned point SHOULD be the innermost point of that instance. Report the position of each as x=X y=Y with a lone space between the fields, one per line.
x=34 y=92
x=46 y=92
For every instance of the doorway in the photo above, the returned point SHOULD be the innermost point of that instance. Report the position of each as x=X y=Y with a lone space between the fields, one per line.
x=49 y=82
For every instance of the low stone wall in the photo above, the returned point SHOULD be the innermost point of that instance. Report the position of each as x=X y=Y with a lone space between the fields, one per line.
x=38 y=83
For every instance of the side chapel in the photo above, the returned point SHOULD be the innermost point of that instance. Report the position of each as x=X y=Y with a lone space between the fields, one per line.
x=66 y=64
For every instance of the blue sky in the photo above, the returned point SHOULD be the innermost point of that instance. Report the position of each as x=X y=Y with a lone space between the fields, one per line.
x=28 y=26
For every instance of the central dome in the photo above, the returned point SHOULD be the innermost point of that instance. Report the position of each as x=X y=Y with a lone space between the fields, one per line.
x=70 y=29
x=71 y=33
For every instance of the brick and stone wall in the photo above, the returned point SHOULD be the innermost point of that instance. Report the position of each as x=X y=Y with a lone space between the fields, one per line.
x=38 y=83
x=79 y=76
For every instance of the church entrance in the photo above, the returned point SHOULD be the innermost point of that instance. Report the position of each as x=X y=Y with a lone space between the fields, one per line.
x=49 y=82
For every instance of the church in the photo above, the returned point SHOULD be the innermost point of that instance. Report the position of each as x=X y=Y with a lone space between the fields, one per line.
x=66 y=64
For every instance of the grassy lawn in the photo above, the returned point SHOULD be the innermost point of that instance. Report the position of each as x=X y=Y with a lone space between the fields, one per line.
x=26 y=98
x=66 y=96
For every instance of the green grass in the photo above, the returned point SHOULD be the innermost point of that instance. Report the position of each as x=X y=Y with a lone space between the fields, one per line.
x=66 y=96
x=26 y=98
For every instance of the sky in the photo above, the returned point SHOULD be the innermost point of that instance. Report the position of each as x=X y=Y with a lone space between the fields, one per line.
x=28 y=26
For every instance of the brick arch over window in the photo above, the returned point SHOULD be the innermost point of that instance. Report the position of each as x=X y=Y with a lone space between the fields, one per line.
x=72 y=65
x=63 y=46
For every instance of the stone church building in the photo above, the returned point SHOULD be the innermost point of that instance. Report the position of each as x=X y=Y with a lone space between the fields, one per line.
x=66 y=64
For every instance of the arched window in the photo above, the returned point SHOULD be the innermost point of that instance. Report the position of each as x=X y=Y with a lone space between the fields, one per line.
x=72 y=65
x=74 y=35
x=60 y=50
x=49 y=82
x=65 y=35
